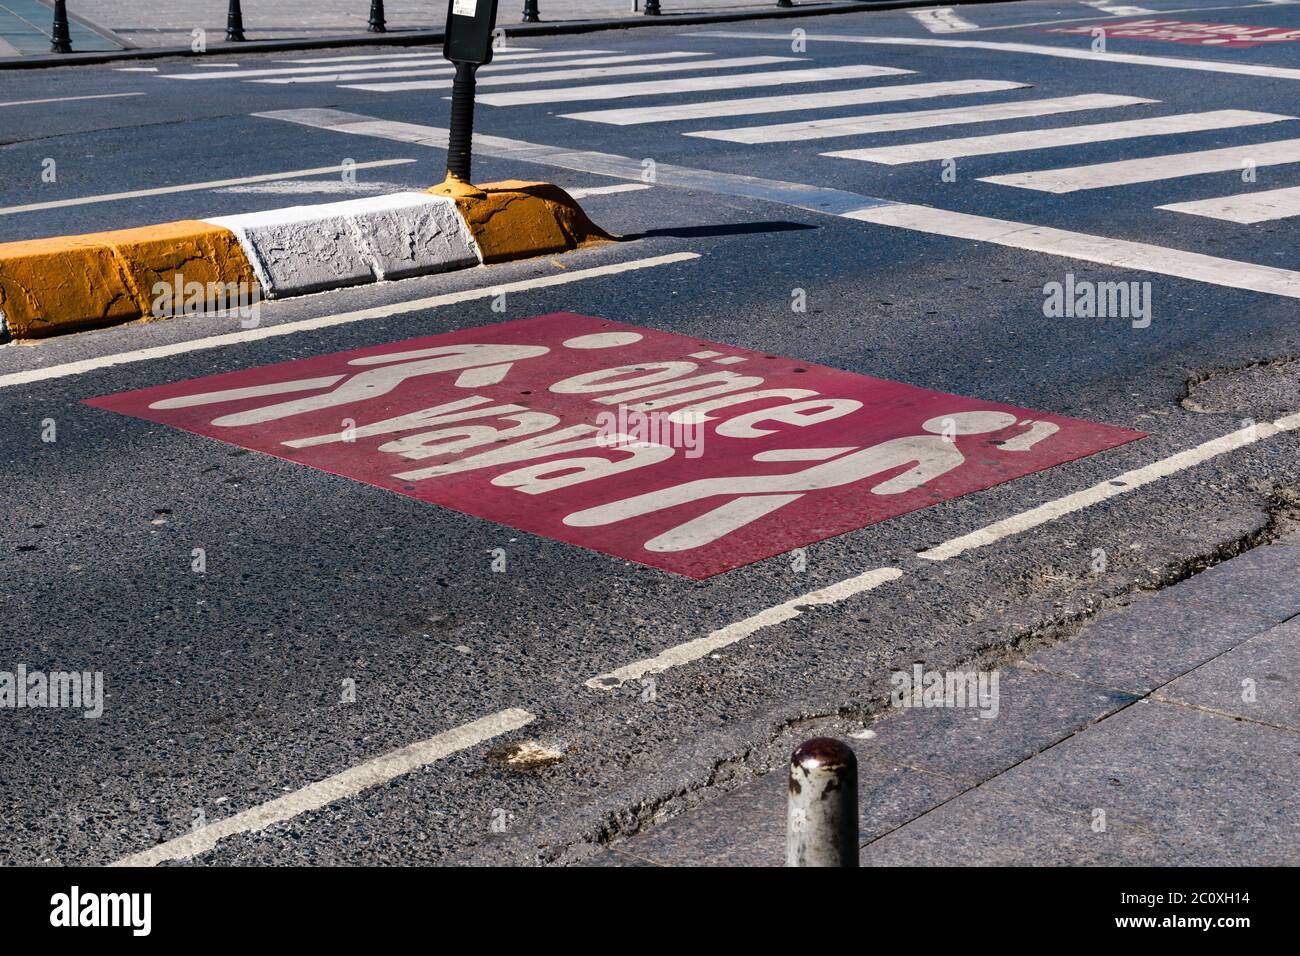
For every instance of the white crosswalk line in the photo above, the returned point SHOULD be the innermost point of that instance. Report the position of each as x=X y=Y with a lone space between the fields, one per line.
x=1118 y=253
x=1116 y=9
x=447 y=69
x=512 y=53
x=917 y=119
x=1149 y=169
x=1031 y=139
x=433 y=59
x=942 y=20
x=791 y=102
x=588 y=74
x=1246 y=208
x=695 y=84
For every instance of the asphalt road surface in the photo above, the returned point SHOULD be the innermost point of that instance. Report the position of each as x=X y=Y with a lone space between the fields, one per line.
x=262 y=626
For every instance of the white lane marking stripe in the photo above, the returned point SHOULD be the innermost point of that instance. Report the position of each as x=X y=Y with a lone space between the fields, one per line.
x=446 y=70
x=1031 y=139
x=1119 y=485
x=731 y=81
x=942 y=20
x=434 y=59
x=69 y=99
x=1120 y=253
x=1125 y=172
x=515 y=52
x=348 y=783
x=1116 y=9
x=724 y=636
x=329 y=321
x=1069 y=53
x=191 y=187
x=789 y=102
x=607 y=190
x=917 y=119
x=590 y=74
x=1246 y=208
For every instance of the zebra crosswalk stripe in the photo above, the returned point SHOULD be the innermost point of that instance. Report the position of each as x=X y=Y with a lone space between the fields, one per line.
x=790 y=102
x=1125 y=172
x=1246 y=208
x=433 y=59
x=729 y=81
x=587 y=74
x=1031 y=139
x=917 y=119
x=446 y=69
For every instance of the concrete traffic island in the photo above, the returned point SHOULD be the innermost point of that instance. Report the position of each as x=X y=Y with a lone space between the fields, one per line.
x=515 y=219
x=70 y=283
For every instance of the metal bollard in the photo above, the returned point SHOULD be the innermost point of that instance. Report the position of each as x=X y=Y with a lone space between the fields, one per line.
x=376 y=24
x=530 y=12
x=234 y=23
x=60 y=39
x=822 y=818
x=652 y=8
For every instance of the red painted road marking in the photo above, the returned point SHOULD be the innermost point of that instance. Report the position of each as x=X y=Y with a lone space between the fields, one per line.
x=1178 y=31
x=685 y=455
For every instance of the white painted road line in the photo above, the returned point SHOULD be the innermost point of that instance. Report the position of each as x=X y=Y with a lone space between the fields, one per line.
x=434 y=59
x=1247 y=208
x=607 y=190
x=516 y=53
x=69 y=99
x=192 y=187
x=1007 y=527
x=791 y=102
x=446 y=70
x=348 y=783
x=715 y=641
x=917 y=119
x=695 y=84
x=1065 y=52
x=1031 y=139
x=513 y=79
x=1119 y=485
x=329 y=321
x=1119 y=253
x=942 y=20
x=1116 y=9
x=1126 y=172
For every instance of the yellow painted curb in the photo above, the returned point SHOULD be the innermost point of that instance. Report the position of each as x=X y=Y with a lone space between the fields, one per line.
x=516 y=220
x=48 y=286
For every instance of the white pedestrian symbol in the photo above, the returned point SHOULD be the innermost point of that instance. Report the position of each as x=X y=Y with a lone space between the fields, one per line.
x=753 y=496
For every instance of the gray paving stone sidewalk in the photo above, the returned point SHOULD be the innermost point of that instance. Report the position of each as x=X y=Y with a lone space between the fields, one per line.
x=1164 y=733
x=143 y=23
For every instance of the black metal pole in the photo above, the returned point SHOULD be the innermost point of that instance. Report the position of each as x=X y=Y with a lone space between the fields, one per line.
x=652 y=8
x=377 y=24
x=60 y=39
x=234 y=23
x=530 y=12
x=461 y=140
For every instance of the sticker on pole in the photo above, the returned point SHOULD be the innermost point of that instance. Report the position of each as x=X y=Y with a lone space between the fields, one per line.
x=681 y=454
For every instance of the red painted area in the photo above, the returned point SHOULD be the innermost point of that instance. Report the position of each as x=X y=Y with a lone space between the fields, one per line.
x=1179 y=31
x=803 y=453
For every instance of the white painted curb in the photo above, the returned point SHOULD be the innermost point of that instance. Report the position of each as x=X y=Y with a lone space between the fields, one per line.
x=302 y=249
